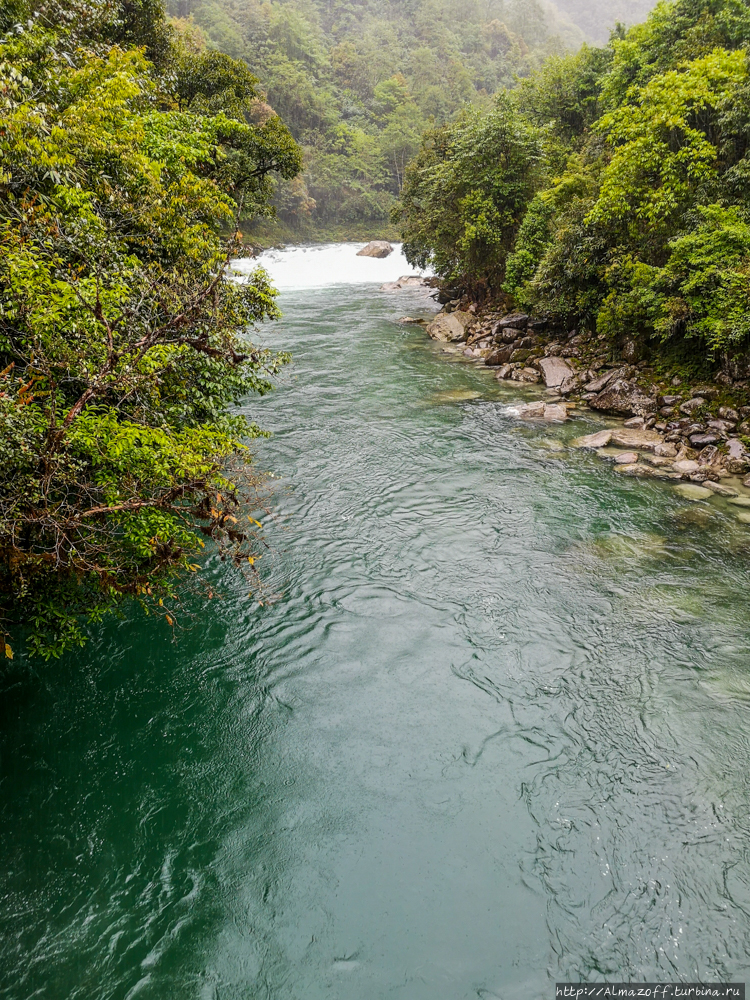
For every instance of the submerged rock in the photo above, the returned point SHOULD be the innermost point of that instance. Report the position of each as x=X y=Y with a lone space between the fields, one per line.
x=599 y=440
x=740 y=501
x=691 y=492
x=376 y=248
x=720 y=489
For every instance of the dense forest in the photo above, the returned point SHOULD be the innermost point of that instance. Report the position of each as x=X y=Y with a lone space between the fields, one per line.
x=358 y=83
x=610 y=190
x=125 y=160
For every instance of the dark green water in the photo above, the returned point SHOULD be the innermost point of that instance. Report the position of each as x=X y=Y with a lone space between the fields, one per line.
x=493 y=733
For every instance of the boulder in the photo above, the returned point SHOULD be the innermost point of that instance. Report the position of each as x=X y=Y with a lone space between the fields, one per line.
x=554 y=371
x=706 y=391
x=525 y=375
x=708 y=455
x=737 y=460
x=571 y=384
x=623 y=398
x=685 y=466
x=722 y=426
x=519 y=320
x=555 y=412
x=703 y=440
x=666 y=450
x=504 y=371
x=531 y=411
x=691 y=405
x=599 y=440
x=520 y=354
x=411 y=281
x=376 y=248
x=727 y=413
x=450 y=327
x=625 y=437
x=598 y=383
x=626 y=458
x=500 y=356
x=507 y=334
x=634 y=422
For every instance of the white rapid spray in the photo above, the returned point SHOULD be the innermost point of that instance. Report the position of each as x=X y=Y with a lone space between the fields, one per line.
x=326 y=265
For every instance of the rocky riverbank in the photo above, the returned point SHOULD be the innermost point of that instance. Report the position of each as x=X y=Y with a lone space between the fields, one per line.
x=698 y=433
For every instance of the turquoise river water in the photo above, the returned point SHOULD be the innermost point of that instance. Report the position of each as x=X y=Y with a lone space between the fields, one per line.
x=492 y=733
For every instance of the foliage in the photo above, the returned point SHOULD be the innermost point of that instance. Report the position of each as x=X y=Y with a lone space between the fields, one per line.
x=638 y=224
x=466 y=192
x=123 y=338
x=358 y=83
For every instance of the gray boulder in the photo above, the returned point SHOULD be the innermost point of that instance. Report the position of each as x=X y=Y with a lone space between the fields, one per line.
x=450 y=328
x=519 y=320
x=598 y=383
x=691 y=405
x=632 y=437
x=554 y=371
x=377 y=248
x=624 y=398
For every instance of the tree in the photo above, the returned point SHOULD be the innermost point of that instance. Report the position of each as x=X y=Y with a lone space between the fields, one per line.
x=123 y=339
x=467 y=191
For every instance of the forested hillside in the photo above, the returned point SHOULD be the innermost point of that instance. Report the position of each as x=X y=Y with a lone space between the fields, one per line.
x=358 y=83
x=611 y=191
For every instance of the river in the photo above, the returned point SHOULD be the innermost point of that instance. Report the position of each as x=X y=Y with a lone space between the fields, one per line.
x=491 y=732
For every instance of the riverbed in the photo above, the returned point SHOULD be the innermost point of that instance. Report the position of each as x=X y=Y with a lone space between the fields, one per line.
x=489 y=729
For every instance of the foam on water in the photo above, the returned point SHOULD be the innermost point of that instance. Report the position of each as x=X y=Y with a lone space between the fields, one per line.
x=326 y=265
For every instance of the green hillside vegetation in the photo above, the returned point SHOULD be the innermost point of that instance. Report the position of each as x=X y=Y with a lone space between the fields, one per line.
x=123 y=339
x=611 y=191
x=358 y=83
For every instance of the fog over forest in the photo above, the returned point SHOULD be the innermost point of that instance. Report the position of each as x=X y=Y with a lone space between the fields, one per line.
x=359 y=83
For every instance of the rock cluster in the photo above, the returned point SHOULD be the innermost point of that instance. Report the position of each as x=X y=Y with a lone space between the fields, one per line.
x=685 y=434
